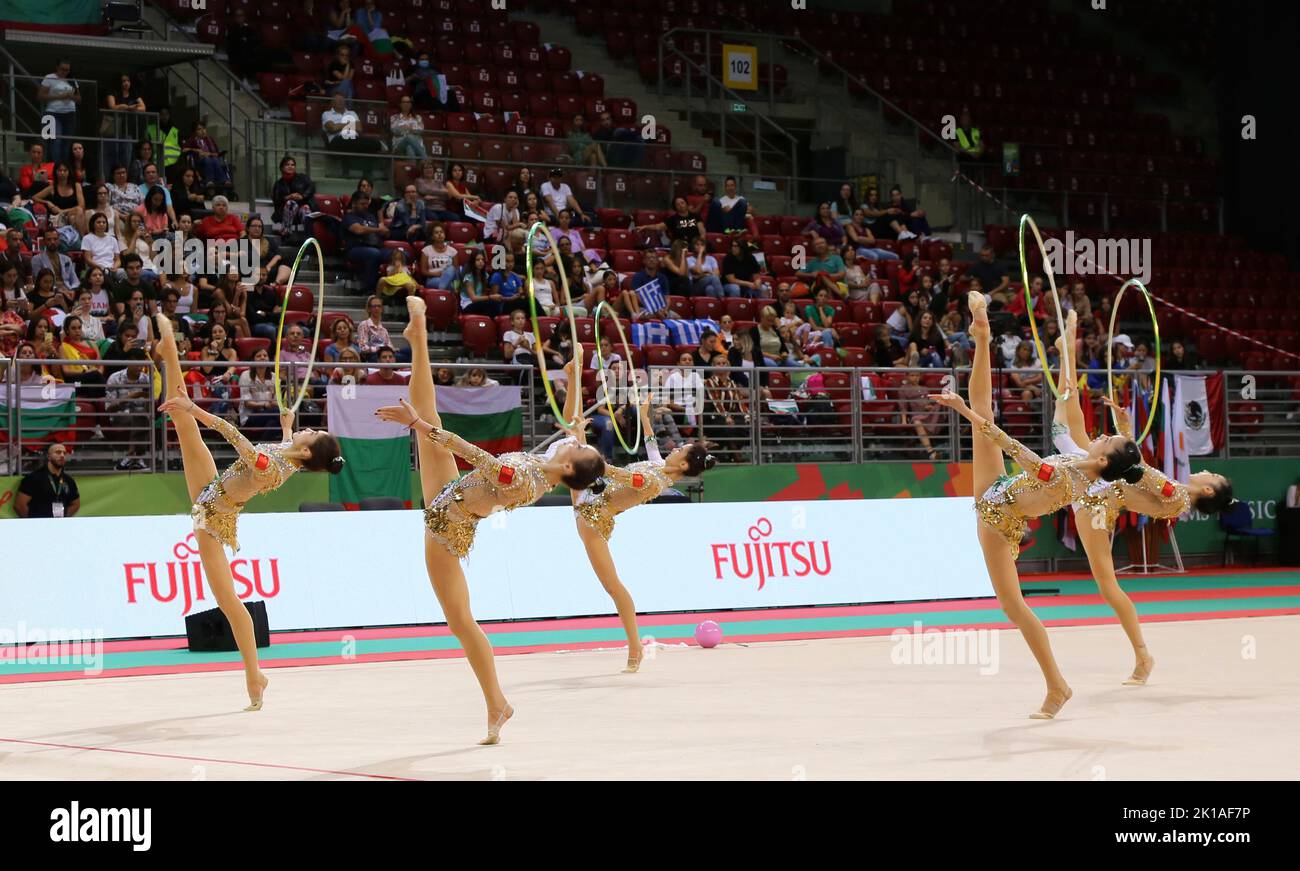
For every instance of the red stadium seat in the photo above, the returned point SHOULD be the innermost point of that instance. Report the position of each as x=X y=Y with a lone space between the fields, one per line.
x=480 y=334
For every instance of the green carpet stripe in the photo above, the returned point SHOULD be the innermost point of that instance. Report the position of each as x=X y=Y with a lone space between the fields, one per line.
x=1174 y=584
x=614 y=634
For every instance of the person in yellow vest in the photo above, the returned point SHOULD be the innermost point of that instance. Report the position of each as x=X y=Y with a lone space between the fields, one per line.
x=167 y=133
x=969 y=144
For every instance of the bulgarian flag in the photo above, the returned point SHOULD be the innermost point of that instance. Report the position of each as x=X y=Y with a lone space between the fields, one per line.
x=378 y=453
x=42 y=411
x=491 y=417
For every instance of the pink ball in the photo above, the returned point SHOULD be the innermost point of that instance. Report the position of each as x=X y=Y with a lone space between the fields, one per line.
x=708 y=634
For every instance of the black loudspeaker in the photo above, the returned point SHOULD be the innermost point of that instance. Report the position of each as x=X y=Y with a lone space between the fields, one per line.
x=209 y=631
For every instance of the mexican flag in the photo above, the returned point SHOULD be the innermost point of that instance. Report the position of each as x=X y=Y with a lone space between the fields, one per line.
x=490 y=417
x=378 y=454
x=41 y=411
x=1197 y=415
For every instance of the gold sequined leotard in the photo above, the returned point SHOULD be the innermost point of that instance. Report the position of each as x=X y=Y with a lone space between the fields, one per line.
x=495 y=484
x=1155 y=495
x=628 y=487
x=1056 y=477
x=259 y=469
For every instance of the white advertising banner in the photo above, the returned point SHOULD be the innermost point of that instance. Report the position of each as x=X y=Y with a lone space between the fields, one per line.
x=129 y=577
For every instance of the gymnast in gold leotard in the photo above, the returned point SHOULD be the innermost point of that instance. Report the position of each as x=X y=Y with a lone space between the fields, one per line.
x=219 y=498
x=1005 y=503
x=628 y=487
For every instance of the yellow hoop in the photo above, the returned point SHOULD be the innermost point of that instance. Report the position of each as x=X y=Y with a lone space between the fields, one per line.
x=279 y=334
x=635 y=389
x=537 y=327
x=1110 y=355
x=1029 y=305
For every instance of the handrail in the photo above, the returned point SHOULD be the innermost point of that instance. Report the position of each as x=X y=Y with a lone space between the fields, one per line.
x=666 y=42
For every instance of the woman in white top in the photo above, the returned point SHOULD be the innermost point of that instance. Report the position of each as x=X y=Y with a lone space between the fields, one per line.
x=99 y=246
x=101 y=304
x=683 y=390
x=523 y=343
x=257 y=409
x=136 y=238
x=703 y=271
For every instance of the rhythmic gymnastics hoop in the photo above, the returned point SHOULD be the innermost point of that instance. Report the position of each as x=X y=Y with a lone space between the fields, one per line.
x=1029 y=305
x=537 y=327
x=1110 y=354
x=635 y=390
x=279 y=335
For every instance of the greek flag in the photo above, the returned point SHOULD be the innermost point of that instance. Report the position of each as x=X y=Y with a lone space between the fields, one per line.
x=652 y=297
x=649 y=333
x=687 y=332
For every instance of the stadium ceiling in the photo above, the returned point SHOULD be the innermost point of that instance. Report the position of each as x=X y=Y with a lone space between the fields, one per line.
x=96 y=57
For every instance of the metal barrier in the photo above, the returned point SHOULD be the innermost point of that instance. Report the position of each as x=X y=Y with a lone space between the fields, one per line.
x=753 y=415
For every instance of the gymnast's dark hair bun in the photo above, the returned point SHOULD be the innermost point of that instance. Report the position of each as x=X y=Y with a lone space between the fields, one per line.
x=698 y=459
x=336 y=465
x=324 y=455
x=1121 y=460
x=597 y=486
x=1134 y=475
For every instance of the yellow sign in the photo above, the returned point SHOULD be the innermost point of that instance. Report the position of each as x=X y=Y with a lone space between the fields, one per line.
x=740 y=67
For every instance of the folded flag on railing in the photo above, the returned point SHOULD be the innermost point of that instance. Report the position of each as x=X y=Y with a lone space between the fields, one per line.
x=42 y=409
x=649 y=333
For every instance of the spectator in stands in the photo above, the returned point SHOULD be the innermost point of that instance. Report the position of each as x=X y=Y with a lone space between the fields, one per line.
x=397 y=283
x=143 y=155
x=135 y=238
x=17 y=254
x=729 y=213
x=104 y=206
x=709 y=347
x=339 y=72
x=63 y=199
x=342 y=336
x=371 y=332
x=477 y=377
x=74 y=345
x=438 y=260
x=49 y=257
x=49 y=491
x=244 y=46
x=410 y=217
x=342 y=128
x=268 y=250
x=861 y=285
x=1181 y=357
x=825 y=226
x=258 y=417
x=386 y=377
x=132 y=280
x=476 y=287
x=844 y=205
x=741 y=271
x=59 y=96
x=408 y=130
x=264 y=307
x=859 y=235
x=993 y=277
x=12 y=323
x=699 y=198
x=180 y=325
x=557 y=195
x=884 y=222
x=583 y=149
x=430 y=185
x=37 y=174
x=525 y=183
x=680 y=225
x=508 y=285
x=908 y=213
x=1026 y=375
x=426 y=89
x=208 y=159
x=222 y=224
x=154 y=212
x=346 y=375
x=458 y=192
x=887 y=349
x=622 y=147
x=769 y=347
x=293 y=197
x=121 y=103
x=166 y=132
x=682 y=392
x=124 y=197
x=504 y=221
x=129 y=393
x=363 y=236
x=917 y=410
x=368 y=18
x=521 y=344
x=820 y=316
x=150 y=180
x=969 y=145
x=101 y=300
x=676 y=272
x=297 y=352
x=92 y=324
x=1077 y=301
x=652 y=287
x=825 y=269
x=927 y=344
x=726 y=418
x=45 y=296
x=706 y=280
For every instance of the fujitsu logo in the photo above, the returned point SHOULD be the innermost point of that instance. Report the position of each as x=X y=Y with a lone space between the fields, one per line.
x=181 y=579
x=770 y=559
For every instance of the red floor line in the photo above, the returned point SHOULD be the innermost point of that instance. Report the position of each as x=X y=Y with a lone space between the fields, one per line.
x=211 y=760
x=1207 y=571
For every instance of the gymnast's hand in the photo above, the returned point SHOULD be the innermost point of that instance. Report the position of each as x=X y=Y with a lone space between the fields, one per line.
x=1122 y=420
x=180 y=402
x=951 y=400
x=403 y=414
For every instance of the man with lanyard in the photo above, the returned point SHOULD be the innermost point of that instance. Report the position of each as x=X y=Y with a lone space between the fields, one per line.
x=49 y=491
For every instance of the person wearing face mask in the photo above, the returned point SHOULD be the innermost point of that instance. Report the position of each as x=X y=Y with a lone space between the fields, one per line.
x=427 y=91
